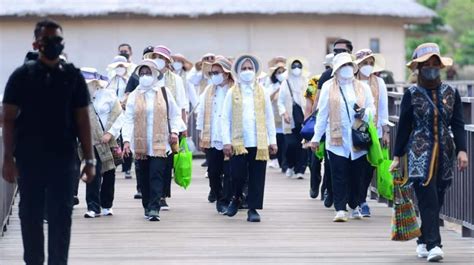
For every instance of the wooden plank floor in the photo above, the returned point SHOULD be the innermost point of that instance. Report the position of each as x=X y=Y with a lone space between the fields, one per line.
x=294 y=230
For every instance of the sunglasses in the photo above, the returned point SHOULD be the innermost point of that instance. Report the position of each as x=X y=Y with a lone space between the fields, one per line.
x=214 y=73
x=297 y=65
x=337 y=51
x=208 y=58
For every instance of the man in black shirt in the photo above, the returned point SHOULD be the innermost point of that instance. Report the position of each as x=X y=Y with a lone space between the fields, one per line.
x=45 y=111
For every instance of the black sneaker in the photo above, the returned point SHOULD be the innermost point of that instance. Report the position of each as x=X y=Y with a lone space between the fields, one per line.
x=211 y=197
x=153 y=216
x=328 y=201
x=233 y=207
x=313 y=193
x=75 y=200
x=138 y=195
x=204 y=164
x=253 y=216
x=163 y=205
x=128 y=174
x=221 y=207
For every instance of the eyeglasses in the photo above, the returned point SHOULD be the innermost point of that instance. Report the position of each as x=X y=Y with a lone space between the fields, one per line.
x=214 y=73
x=208 y=58
x=337 y=51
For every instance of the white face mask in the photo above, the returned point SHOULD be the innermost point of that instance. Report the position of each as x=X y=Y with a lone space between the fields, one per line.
x=280 y=77
x=196 y=78
x=247 y=76
x=146 y=81
x=366 y=70
x=296 y=71
x=160 y=63
x=217 y=79
x=178 y=66
x=120 y=71
x=346 y=72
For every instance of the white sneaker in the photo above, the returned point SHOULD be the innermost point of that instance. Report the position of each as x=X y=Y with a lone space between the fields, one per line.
x=91 y=214
x=435 y=254
x=355 y=214
x=107 y=212
x=341 y=216
x=421 y=251
x=300 y=176
x=273 y=164
x=290 y=172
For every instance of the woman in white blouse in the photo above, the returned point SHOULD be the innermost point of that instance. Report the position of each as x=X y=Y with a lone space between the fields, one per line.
x=337 y=114
x=152 y=122
x=368 y=64
x=104 y=111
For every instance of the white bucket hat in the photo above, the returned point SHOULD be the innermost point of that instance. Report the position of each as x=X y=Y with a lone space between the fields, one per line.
x=341 y=59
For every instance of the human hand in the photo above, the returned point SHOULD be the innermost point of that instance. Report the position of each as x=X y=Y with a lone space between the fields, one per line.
x=386 y=139
x=126 y=149
x=174 y=138
x=395 y=164
x=10 y=172
x=314 y=146
x=88 y=173
x=273 y=149
x=286 y=118
x=106 y=138
x=228 y=150
x=462 y=160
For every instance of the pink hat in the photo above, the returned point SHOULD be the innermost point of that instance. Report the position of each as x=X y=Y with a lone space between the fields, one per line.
x=161 y=50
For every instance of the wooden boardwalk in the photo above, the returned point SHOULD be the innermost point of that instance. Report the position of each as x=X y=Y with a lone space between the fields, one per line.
x=294 y=230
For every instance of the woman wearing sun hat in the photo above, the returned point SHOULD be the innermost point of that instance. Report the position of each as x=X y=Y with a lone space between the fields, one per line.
x=248 y=135
x=152 y=122
x=118 y=76
x=336 y=116
x=103 y=112
x=292 y=91
x=370 y=63
x=427 y=111
x=182 y=66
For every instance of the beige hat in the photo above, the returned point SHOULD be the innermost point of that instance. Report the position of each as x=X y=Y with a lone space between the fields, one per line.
x=276 y=60
x=342 y=59
x=222 y=62
x=424 y=52
x=379 y=61
x=91 y=75
x=188 y=65
x=117 y=61
x=241 y=59
x=303 y=62
x=147 y=62
x=328 y=59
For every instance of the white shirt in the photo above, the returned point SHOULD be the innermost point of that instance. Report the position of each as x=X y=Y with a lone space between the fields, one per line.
x=323 y=123
x=270 y=89
x=382 y=107
x=119 y=87
x=216 y=115
x=285 y=100
x=104 y=101
x=180 y=98
x=174 y=114
x=249 y=124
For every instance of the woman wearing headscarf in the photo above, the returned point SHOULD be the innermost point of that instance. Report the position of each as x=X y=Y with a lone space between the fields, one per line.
x=344 y=101
x=430 y=111
x=370 y=63
x=182 y=66
x=152 y=122
x=292 y=92
x=209 y=124
x=277 y=75
x=103 y=112
x=248 y=134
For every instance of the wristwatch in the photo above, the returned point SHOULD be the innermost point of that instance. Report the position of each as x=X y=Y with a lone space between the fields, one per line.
x=90 y=162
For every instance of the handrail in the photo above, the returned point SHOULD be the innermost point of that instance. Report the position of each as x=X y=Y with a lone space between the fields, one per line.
x=7 y=194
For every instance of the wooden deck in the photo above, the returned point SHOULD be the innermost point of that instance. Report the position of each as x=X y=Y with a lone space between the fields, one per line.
x=294 y=230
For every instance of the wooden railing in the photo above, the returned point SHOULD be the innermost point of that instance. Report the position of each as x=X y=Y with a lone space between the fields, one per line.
x=7 y=194
x=459 y=202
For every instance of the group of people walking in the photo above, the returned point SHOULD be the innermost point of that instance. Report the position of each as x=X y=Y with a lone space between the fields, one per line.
x=245 y=117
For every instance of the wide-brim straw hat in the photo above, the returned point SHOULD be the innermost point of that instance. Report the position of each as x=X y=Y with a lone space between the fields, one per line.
x=187 y=64
x=424 y=52
x=91 y=75
x=342 y=59
x=276 y=67
x=118 y=60
x=241 y=58
x=161 y=50
x=222 y=62
x=379 y=60
x=149 y=63
x=276 y=60
x=303 y=61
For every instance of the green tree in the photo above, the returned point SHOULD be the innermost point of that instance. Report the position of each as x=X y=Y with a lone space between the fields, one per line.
x=464 y=55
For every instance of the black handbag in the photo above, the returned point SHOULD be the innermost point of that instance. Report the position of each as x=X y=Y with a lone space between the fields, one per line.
x=298 y=116
x=360 y=134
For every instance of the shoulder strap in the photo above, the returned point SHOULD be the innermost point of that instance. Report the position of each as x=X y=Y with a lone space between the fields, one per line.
x=291 y=92
x=440 y=114
x=165 y=96
x=345 y=102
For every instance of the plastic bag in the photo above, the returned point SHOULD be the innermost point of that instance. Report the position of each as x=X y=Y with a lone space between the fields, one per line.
x=385 y=177
x=374 y=155
x=320 y=152
x=183 y=164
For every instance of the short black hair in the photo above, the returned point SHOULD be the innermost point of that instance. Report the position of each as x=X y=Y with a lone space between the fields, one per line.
x=46 y=23
x=348 y=43
x=126 y=45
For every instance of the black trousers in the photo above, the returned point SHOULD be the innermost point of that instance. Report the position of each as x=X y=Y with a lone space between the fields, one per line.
x=280 y=155
x=295 y=154
x=47 y=182
x=430 y=200
x=137 y=174
x=315 y=170
x=153 y=172
x=327 y=179
x=366 y=180
x=168 y=177
x=245 y=167
x=100 y=192
x=346 y=180
x=127 y=161
x=219 y=174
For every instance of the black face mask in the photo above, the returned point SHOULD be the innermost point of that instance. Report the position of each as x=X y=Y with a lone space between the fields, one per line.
x=429 y=73
x=124 y=54
x=52 y=48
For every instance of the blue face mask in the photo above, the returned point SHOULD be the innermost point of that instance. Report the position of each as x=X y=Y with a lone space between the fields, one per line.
x=429 y=73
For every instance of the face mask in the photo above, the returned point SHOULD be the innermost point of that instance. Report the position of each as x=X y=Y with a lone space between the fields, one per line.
x=196 y=78
x=366 y=70
x=346 y=72
x=429 y=73
x=217 y=79
x=178 y=66
x=52 y=49
x=247 y=76
x=146 y=80
x=125 y=54
x=160 y=63
x=280 y=77
x=120 y=71
x=296 y=71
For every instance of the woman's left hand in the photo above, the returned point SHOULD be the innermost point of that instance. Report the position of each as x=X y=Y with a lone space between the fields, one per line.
x=174 y=138
x=462 y=160
x=386 y=139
